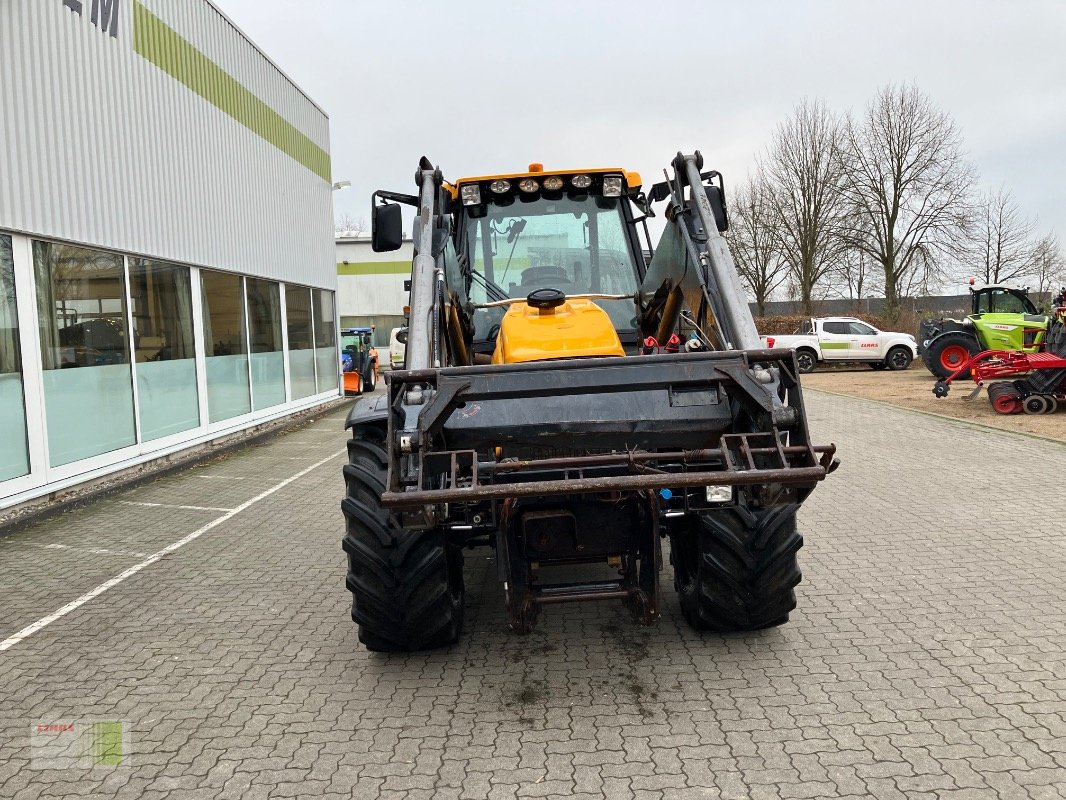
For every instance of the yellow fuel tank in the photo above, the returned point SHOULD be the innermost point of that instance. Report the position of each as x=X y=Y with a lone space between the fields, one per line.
x=576 y=329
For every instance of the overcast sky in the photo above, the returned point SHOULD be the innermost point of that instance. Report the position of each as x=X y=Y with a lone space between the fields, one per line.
x=490 y=86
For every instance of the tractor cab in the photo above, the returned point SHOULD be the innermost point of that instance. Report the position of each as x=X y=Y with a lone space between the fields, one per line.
x=568 y=231
x=997 y=299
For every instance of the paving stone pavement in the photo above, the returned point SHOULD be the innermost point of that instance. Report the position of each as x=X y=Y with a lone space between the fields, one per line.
x=927 y=657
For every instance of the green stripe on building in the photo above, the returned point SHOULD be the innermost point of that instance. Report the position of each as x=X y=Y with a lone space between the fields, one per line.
x=375 y=268
x=175 y=55
x=833 y=345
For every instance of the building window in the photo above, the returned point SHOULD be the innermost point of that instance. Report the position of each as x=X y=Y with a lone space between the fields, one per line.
x=264 y=330
x=327 y=359
x=14 y=455
x=161 y=300
x=88 y=393
x=301 y=341
x=226 y=346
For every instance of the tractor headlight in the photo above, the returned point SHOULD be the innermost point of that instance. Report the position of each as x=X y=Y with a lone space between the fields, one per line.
x=500 y=186
x=471 y=194
x=581 y=181
x=612 y=186
x=528 y=185
x=553 y=184
x=719 y=494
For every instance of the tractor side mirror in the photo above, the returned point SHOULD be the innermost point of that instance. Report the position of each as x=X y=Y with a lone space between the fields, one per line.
x=659 y=192
x=716 y=197
x=386 y=228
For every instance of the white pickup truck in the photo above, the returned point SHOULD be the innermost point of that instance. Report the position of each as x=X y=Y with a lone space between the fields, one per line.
x=846 y=339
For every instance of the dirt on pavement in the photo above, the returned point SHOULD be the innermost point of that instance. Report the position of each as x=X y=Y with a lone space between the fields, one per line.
x=913 y=388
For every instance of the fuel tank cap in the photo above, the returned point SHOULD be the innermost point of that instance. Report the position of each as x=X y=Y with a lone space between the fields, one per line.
x=546 y=298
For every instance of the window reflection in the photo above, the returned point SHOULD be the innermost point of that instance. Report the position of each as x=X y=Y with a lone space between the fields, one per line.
x=84 y=350
x=14 y=455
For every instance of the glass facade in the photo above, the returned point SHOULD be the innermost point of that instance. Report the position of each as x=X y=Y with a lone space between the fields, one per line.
x=267 y=352
x=164 y=348
x=301 y=341
x=14 y=452
x=88 y=391
x=135 y=351
x=226 y=345
x=327 y=359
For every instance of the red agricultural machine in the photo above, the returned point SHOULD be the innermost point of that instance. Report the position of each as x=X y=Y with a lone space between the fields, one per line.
x=1018 y=382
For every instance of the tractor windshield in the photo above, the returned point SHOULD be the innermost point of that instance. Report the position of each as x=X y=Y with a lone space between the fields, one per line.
x=1003 y=301
x=578 y=245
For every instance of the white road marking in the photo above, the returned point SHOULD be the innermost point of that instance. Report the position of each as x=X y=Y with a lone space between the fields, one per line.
x=168 y=505
x=59 y=613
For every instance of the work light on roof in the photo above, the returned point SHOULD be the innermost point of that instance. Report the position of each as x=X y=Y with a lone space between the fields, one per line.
x=581 y=181
x=471 y=194
x=528 y=185
x=553 y=184
x=500 y=186
x=612 y=186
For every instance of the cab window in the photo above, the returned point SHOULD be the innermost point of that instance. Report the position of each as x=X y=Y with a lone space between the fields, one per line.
x=1001 y=302
x=836 y=328
x=861 y=329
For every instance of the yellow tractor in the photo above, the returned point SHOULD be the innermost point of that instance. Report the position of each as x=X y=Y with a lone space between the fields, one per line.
x=571 y=398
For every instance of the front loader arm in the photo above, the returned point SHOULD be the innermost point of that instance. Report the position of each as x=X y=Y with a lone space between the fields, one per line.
x=692 y=260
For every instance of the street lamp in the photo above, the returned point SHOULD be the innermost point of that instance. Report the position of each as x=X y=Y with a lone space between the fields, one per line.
x=341 y=185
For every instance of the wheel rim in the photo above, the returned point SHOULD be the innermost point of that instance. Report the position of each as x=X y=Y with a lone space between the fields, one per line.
x=1036 y=404
x=1006 y=404
x=805 y=362
x=900 y=360
x=953 y=356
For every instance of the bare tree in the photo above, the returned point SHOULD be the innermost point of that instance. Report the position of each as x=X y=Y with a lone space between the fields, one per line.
x=908 y=185
x=804 y=168
x=1049 y=265
x=754 y=240
x=350 y=225
x=1003 y=240
x=855 y=275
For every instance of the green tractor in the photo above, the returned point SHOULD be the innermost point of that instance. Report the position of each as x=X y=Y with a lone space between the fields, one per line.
x=1001 y=318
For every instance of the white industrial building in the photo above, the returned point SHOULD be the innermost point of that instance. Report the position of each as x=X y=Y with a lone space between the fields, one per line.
x=370 y=286
x=166 y=244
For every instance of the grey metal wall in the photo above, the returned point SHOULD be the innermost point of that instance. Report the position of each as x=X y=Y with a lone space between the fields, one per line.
x=100 y=145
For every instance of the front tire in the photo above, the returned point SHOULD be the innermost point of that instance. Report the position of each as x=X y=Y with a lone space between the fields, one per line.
x=371 y=380
x=899 y=358
x=735 y=569
x=949 y=351
x=407 y=585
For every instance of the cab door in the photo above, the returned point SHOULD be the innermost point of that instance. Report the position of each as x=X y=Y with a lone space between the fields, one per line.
x=866 y=343
x=834 y=340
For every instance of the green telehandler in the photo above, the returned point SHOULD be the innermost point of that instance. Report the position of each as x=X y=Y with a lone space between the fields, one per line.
x=1001 y=318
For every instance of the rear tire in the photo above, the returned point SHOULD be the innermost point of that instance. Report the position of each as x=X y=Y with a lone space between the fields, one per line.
x=806 y=360
x=407 y=586
x=949 y=351
x=736 y=569
x=371 y=381
x=899 y=358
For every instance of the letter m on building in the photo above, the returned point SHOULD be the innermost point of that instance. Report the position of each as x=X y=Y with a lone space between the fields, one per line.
x=105 y=16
